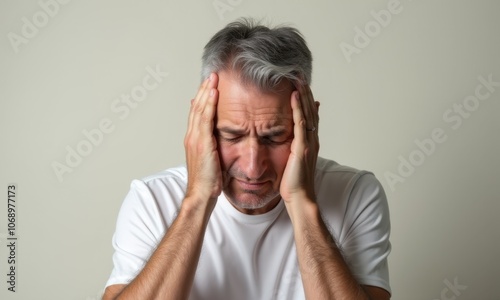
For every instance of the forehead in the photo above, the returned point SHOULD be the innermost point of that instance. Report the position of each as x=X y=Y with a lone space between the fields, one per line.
x=240 y=102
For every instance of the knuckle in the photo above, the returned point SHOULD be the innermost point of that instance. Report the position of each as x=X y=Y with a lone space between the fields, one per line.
x=190 y=141
x=198 y=108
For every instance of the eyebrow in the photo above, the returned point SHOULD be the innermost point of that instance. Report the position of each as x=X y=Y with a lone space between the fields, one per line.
x=230 y=130
x=275 y=131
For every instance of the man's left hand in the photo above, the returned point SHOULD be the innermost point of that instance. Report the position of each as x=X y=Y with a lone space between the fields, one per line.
x=297 y=183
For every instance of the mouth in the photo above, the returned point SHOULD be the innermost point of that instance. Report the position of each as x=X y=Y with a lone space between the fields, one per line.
x=251 y=186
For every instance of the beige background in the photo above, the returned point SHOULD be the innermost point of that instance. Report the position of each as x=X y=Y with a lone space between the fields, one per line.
x=64 y=77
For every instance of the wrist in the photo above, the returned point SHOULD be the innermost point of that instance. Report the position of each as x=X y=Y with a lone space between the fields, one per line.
x=301 y=210
x=195 y=207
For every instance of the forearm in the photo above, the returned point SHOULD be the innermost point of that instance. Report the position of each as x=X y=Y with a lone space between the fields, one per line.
x=325 y=275
x=169 y=273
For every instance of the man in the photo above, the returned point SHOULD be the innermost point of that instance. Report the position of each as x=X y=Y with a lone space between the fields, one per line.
x=255 y=213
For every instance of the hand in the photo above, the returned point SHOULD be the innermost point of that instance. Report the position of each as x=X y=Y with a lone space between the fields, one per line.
x=298 y=178
x=204 y=171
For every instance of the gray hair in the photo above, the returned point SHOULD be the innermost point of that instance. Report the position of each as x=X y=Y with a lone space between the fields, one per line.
x=261 y=56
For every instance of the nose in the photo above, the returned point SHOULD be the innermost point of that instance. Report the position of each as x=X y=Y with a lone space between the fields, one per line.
x=254 y=156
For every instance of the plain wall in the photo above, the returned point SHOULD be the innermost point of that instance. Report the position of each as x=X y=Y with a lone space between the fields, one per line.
x=415 y=78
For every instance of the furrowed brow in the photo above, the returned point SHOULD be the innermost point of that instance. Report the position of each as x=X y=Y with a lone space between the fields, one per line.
x=229 y=130
x=275 y=132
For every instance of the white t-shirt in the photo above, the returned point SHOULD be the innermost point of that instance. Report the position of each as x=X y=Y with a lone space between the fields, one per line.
x=254 y=256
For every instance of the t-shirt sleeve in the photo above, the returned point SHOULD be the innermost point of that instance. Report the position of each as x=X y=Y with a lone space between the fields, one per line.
x=139 y=228
x=366 y=244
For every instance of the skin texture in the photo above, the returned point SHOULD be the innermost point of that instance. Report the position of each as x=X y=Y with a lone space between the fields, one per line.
x=255 y=147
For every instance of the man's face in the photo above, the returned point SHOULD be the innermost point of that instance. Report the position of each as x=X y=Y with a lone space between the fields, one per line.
x=254 y=131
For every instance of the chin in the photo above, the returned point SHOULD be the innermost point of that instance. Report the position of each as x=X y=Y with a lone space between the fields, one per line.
x=249 y=201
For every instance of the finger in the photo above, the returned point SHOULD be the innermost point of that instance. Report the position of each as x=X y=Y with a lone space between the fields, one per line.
x=312 y=116
x=207 y=117
x=212 y=83
x=303 y=104
x=205 y=107
x=307 y=103
x=200 y=91
x=299 y=122
x=200 y=102
x=314 y=105
x=202 y=87
x=317 y=104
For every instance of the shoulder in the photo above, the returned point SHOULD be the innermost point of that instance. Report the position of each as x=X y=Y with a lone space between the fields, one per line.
x=160 y=194
x=332 y=175
x=167 y=177
x=171 y=181
x=346 y=191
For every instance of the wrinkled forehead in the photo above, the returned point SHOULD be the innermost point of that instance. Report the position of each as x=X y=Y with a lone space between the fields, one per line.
x=244 y=100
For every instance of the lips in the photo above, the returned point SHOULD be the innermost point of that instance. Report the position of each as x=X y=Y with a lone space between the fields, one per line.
x=246 y=185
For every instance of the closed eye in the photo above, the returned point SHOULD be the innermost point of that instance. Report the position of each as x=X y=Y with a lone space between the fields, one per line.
x=229 y=134
x=231 y=139
x=274 y=141
x=278 y=136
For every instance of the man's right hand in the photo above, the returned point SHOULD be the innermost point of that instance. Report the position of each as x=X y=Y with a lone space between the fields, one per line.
x=203 y=164
x=170 y=271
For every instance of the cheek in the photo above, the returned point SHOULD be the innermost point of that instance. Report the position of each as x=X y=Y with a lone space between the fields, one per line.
x=227 y=155
x=279 y=158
